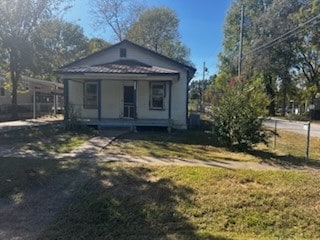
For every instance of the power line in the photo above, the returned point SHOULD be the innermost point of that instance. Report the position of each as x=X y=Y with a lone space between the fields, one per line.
x=284 y=36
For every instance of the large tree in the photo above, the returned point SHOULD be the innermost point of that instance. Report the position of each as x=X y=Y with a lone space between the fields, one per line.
x=97 y=44
x=276 y=59
x=56 y=43
x=307 y=48
x=229 y=56
x=117 y=15
x=158 y=30
x=18 y=20
x=268 y=21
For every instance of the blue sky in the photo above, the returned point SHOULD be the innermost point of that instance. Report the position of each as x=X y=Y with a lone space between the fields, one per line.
x=201 y=26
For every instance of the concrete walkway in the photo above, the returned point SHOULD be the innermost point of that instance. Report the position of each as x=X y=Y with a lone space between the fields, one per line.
x=16 y=125
x=91 y=149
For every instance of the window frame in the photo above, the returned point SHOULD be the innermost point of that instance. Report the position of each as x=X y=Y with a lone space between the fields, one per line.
x=86 y=95
x=152 y=96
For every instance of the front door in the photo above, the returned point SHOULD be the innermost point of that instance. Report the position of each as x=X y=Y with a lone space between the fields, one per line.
x=128 y=102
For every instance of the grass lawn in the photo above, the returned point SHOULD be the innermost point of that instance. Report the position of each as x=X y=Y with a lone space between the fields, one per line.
x=50 y=138
x=181 y=144
x=290 y=148
x=132 y=201
x=202 y=146
x=295 y=144
x=174 y=202
x=19 y=174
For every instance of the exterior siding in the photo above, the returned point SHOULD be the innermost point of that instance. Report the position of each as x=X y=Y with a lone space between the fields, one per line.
x=178 y=109
x=143 y=110
x=76 y=101
x=111 y=99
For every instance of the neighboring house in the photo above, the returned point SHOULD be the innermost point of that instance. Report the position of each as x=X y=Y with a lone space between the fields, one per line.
x=128 y=85
x=44 y=95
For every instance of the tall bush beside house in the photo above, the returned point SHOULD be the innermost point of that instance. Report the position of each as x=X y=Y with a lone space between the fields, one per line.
x=72 y=122
x=238 y=114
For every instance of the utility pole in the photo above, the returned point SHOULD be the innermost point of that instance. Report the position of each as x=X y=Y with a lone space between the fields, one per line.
x=201 y=85
x=34 y=103
x=204 y=70
x=240 y=43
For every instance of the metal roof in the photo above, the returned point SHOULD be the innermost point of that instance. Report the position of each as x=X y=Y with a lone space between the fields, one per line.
x=119 y=67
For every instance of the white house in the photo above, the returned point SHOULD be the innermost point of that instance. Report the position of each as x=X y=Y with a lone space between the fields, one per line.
x=127 y=85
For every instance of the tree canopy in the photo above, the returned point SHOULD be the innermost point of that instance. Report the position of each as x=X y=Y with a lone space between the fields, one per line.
x=158 y=30
x=285 y=55
x=56 y=43
x=18 y=21
x=117 y=15
x=155 y=28
x=280 y=65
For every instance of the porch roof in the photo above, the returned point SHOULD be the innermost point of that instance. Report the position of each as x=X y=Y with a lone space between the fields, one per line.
x=119 y=67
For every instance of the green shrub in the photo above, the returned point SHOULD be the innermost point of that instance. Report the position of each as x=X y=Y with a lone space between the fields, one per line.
x=238 y=114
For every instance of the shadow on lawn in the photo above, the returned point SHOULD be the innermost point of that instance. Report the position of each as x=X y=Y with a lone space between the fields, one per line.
x=126 y=203
x=32 y=191
x=201 y=139
x=286 y=161
x=189 y=137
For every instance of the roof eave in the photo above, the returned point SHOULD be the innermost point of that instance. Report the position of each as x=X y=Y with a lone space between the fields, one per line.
x=66 y=75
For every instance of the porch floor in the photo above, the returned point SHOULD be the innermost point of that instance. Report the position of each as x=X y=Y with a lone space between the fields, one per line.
x=106 y=122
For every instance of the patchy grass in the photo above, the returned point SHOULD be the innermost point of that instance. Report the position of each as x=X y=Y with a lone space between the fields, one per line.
x=144 y=202
x=50 y=138
x=63 y=143
x=295 y=144
x=202 y=145
x=181 y=144
x=19 y=174
x=290 y=149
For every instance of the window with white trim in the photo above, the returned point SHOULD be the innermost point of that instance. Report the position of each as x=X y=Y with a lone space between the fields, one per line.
x=157 y=96
x=90 y=94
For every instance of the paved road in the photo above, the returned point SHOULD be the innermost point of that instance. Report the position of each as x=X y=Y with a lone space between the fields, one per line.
x=294 y=126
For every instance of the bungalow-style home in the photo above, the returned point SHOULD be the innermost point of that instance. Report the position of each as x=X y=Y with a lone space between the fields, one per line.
x=127 y=85
x=45 y=96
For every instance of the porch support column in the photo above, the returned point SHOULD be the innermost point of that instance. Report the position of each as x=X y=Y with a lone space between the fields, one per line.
x=99 y=100
x=135 y=99
x=169 y=108
x=66 y=99
x=134 y=105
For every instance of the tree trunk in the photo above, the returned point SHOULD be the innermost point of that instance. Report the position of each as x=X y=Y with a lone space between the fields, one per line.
x=271 y=94
x=285 y=85
x=14 y=80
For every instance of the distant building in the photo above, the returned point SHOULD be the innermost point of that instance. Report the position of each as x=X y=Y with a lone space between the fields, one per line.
x=45 y=96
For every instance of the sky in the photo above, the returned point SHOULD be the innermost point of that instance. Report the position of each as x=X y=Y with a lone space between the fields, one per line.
x=201 y=27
